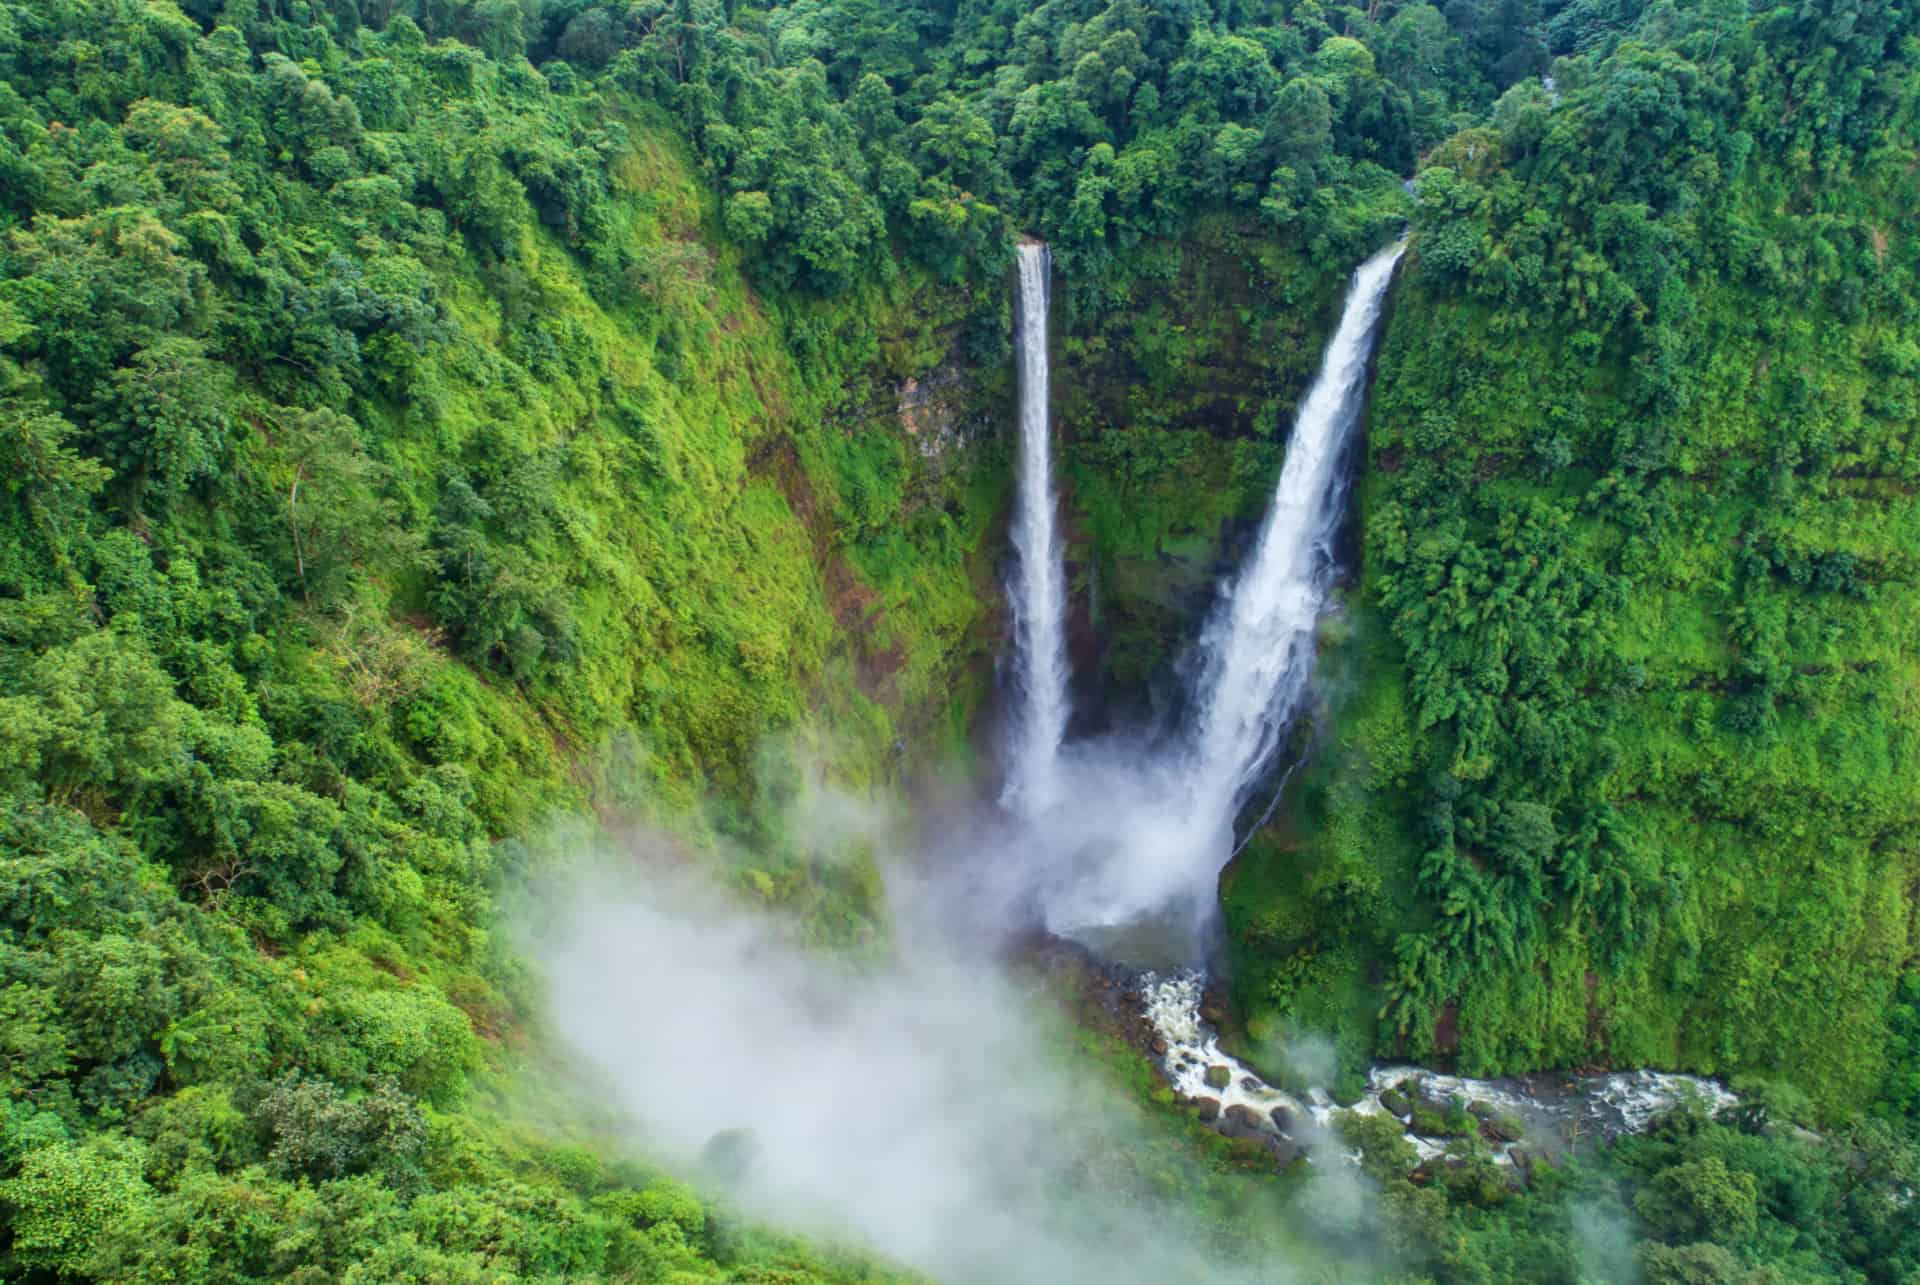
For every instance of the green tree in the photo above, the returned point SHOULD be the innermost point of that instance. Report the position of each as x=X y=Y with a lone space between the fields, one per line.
x=1700 y=1200
x=65 y=1196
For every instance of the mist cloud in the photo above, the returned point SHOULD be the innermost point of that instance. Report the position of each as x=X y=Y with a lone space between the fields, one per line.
x=919 y=1107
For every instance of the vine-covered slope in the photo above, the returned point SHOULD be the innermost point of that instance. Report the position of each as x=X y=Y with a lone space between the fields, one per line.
x=396 y=458
x=1620 y=760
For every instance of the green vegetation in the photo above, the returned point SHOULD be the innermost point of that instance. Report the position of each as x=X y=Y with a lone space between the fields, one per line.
x=1689 y=1201
x=1626 y=770
x=393 y=444
x=420 y=422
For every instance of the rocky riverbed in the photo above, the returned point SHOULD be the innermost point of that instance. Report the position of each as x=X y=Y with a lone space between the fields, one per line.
x=1517 y=1118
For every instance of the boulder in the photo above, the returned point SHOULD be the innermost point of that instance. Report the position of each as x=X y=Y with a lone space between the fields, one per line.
x=1208 y=1109
x=1397 y=1102
x=1520 y=1172
x=1434 y=1124
x=1282 y=1117
x=1285 y=1151
x=1219 y=1077
x=1500 y=1127
x=1241 y=1122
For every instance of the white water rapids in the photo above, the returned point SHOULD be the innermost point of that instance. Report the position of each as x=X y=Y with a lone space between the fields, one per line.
x=1537 y=1113
x=1038 y=591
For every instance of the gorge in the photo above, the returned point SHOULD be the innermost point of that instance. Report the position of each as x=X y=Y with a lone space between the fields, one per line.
x=1163 y=810
x=700 y=641
x=1142 y=825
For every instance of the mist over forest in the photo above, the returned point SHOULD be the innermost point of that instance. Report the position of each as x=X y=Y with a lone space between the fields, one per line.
x=893 y=640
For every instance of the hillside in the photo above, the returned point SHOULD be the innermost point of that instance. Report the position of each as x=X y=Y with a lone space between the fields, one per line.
x=432 y=429
x=1624 y=770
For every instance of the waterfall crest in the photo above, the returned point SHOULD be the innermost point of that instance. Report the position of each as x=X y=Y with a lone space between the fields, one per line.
x=1256 y=653
x=1038 y=592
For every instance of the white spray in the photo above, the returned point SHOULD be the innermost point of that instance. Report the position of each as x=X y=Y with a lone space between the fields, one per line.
x=1038 y=590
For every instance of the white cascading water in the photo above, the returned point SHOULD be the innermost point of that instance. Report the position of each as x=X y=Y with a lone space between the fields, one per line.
x=1038 y=590
x=1257 y=650
x=1131 y=868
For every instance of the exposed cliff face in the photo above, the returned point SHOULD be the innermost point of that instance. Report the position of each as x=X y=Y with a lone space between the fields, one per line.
x=1175 y=384
x=940 y=413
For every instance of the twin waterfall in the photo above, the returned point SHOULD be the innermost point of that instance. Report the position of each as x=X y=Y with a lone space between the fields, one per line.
x=1039 y=582
x=1124 y=831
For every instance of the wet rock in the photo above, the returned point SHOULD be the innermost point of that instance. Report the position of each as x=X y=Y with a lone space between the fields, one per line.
x=1520 y=1172
x=1208 y=1109
x=1282 y=1117
x=1435 y=1124
x=1249 y=1083
x=1285 y=1151
x=1159 y=1045
x=1397 y=1102
x=1241 y=1122
x=1500 y=1127
x=1219 y=1077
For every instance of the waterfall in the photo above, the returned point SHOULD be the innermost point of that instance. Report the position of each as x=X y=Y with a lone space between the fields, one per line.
x=1131 y=868
x=1256 y=652
x=1038 y=592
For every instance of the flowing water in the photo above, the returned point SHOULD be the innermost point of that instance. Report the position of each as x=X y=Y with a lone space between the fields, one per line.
x=1257 y=650
x=1127 y=837
x=1130 y=868
x=1537 y=1114
x=1038 y=592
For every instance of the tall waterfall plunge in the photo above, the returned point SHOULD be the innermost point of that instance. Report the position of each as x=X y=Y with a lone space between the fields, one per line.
x=1038 y=590
x=1131 y=866
x=1257 y=650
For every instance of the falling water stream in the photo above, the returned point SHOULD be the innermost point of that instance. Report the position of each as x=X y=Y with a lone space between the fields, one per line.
x=1038 y=593
x=1257 y=650
x=1130 y=868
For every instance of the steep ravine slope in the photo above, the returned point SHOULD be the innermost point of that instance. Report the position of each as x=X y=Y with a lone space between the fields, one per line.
x=399 y=459
x=1618 y=764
